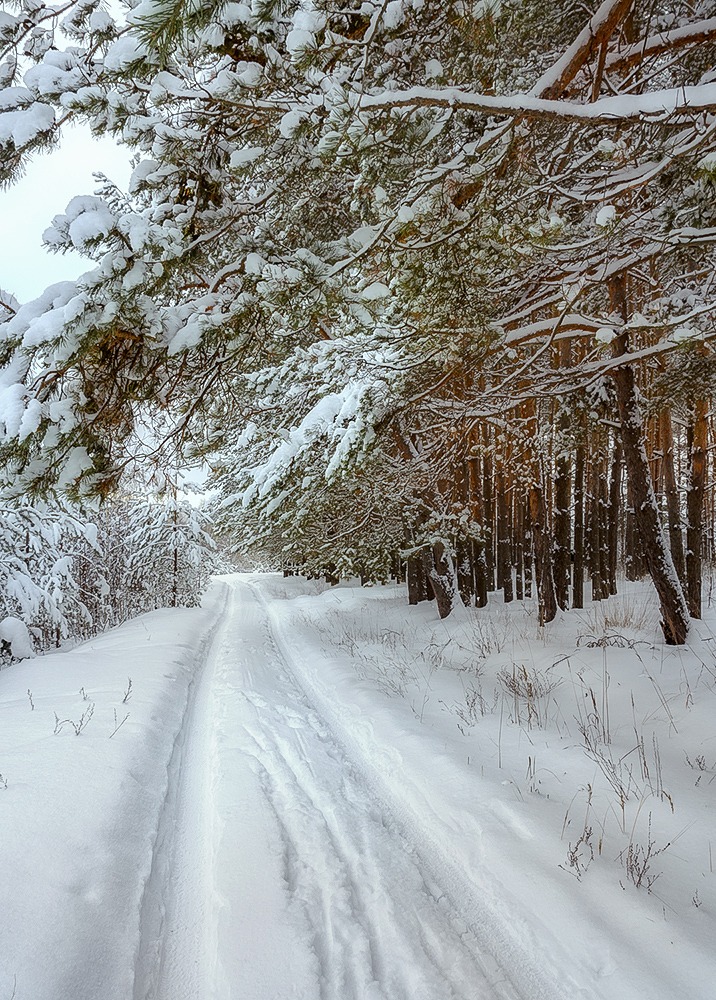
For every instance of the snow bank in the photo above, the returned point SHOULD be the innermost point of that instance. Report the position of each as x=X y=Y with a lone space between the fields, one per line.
x=80 y=813
x=552 y=805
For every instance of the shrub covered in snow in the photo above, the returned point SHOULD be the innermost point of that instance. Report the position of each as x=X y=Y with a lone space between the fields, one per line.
x=63 y=576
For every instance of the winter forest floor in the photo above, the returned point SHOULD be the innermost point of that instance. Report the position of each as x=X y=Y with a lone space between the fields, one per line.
x=334 y=796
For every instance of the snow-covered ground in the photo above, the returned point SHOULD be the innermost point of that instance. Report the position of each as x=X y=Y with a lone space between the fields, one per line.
x=333 y=796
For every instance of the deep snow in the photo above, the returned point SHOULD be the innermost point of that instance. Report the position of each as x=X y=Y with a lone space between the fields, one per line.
x=333 y=795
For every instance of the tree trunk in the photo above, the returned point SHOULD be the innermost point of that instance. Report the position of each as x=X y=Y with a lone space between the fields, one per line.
x=442 y=576
x=465 y=578
x=615 y=491
x=477 y=514
x=673 y=507
x=527 y=535
x=489 y=510
x=578 y=569
x=519 y=546
x=698 y=441
x=504 y=563
x=604 y=528
x=543 y=555
x=478 y=550
x=562 y=496
x=674 y=611
x=632 y=559
x=463 y=546
x=539 y=521
x=562 y=530
x=595 y=538
x=417 y=589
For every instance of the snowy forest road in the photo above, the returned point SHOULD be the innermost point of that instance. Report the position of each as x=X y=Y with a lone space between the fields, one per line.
x=279 y=874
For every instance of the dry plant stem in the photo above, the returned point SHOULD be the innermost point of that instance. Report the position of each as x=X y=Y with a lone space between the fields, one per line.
x=118 y=725
x=531 y=687
x=78 y=726
x=637 y=859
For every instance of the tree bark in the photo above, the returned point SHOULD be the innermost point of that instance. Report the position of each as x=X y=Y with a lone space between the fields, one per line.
x=519 y=546
x=615 y=490
x=698 y=441
x=604 y=528
x=442 y=576
x=632 y=559
x=478 y=516
x=489 y=510
x=527 y=536
x=463 y=545
x=543 y=555
x=465 y=577
x=562 y=512
x=417 y=589
x=674 y=611
x=478 y=550
x=673 y=507
x=555 y=81
x=504 y=562
x=595 y=533
x=578 y=569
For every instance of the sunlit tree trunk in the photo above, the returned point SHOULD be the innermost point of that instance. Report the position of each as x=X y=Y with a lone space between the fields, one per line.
x=674 y=611
x=697 y=444
x=673 y=507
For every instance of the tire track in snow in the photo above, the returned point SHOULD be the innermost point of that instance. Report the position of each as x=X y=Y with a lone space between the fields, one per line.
x=495 y=933
x=381 y=931
x=177 y=950
x=278 y=873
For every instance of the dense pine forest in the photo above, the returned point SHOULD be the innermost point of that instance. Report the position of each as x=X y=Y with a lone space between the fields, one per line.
x=427 y=286
x=407 y=314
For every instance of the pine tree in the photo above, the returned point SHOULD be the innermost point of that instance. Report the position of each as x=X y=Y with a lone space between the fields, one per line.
x=451 y=193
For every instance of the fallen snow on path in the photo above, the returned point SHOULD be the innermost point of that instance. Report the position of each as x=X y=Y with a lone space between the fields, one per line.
x=333 y=796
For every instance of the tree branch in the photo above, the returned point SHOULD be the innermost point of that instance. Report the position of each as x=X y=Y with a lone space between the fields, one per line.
x=678 y=102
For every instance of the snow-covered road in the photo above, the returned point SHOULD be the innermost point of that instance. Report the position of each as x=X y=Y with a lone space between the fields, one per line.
x=279 y=805
x=278 y=872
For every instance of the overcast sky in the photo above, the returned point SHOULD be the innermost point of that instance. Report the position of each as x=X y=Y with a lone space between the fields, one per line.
x=28 y=207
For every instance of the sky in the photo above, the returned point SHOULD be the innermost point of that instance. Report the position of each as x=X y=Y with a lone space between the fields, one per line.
x=28 y=207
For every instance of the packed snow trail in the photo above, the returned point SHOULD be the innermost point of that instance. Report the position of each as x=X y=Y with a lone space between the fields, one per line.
x=254 y=817
x=278 y=873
